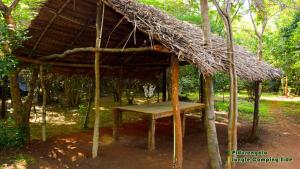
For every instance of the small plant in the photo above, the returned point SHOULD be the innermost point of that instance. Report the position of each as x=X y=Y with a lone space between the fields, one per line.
x=10 y=136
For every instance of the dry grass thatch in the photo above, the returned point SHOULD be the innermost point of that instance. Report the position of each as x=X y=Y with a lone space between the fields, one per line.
x=185 y=40
x=61 y=25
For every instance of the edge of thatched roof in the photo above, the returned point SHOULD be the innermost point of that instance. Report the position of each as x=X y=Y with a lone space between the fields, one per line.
x=186 y=41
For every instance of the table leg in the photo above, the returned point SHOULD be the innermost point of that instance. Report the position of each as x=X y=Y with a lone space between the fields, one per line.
x=183 y=124
x=151 y=134
x=116 y=123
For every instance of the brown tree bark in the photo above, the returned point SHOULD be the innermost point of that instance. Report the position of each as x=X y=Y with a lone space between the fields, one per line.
x=43 y=86
x=233 y=110
x=211 y=132
x=254 y=131
x=21 y=110
x=178 y=148
x=3 y=98
x=207 y=96
x=286 y=88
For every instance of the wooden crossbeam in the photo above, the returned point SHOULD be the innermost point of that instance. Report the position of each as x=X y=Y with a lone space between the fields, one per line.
x=50 y=23
x=156 y=48
x=86 y=65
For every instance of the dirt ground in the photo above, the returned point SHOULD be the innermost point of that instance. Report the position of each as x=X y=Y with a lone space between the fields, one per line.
x=279 y=139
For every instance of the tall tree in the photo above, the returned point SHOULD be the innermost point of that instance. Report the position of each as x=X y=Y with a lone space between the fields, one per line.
x=262 y=17
x=233 y=110
x=21 y=109
x=212 y=140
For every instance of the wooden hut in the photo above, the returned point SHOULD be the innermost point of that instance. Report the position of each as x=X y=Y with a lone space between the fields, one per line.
x=137 y=39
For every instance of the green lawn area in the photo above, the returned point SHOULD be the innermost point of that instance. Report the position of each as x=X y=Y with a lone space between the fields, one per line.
x=245 y=107
x=291 y=109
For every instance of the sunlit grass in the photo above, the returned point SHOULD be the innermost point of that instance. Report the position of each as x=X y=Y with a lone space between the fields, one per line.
x=291 y=110
x=18 y=161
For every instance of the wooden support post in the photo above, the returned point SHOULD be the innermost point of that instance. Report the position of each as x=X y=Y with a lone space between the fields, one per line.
x=116 y=123
x=158 y=90
x=202 y=95
x=164 y=85
x=177 y=156
x=211 y=132
x=254 y=131
x=43 y=86
x=183 y=124
x=99 y=25
x=151 y=134
x=120 y=91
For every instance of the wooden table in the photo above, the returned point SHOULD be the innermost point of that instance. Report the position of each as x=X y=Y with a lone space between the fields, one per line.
x=154 y=111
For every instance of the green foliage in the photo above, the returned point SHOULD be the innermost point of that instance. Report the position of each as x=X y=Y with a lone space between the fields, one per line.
x=7 y=64
x=188 y=79
x=10 y=136
x=221 y=82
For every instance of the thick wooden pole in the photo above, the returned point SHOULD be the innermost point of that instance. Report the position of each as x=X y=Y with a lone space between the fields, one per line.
x=207 y=96
x=254 y=131
x=164 y=85
x=177 y=156
x=99 y=24
x=202 y=94
x=211 y=132
x=43 y=86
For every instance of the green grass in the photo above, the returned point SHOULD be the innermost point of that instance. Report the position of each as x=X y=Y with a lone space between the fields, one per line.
x=246 y=108
x=291 y=110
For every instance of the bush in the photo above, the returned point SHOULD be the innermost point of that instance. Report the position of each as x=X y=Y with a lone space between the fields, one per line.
x=10 y=136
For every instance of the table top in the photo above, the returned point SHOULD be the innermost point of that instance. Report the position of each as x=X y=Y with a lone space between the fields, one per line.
x=158 y=108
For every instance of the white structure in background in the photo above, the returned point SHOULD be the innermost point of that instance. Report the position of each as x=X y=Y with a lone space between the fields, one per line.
x=149 y=90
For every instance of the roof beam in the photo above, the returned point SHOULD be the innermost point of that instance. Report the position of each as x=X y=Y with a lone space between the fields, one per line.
x=69 y=18
x=86 y=65
x=155 y=48
x=50 y=23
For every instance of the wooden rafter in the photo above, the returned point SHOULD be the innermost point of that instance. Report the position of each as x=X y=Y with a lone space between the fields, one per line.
x=82 y=29
x=87 y=65
x=50 y=23
x=73 y=20
x=156 y=48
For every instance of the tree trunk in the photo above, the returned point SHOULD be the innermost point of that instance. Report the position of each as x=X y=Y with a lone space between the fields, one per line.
x=3 y=98
x=254 y=132
x=21 y=111
x=202 y=95
x=86 y=117
x=164 y=85
x=211 y=132
x=177 y=156
x=233 y=110
x=208 y=99
x=99 y=24
x=286 y=89
x=169 y=85
x=43 y=86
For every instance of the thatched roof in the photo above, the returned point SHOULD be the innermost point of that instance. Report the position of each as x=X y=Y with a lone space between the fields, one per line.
x=62 y=25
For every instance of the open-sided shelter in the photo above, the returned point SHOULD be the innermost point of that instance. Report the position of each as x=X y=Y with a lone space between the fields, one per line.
x=137 y=39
